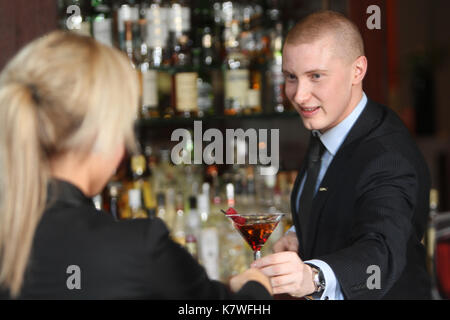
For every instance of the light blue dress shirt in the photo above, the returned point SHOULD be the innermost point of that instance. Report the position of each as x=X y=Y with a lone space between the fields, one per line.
x=332 y=140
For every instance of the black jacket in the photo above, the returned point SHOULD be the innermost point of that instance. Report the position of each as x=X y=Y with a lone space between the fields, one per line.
x=132 y=259
x=371 y=208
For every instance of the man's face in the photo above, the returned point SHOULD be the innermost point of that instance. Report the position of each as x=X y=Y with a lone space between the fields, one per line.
x=318 y=83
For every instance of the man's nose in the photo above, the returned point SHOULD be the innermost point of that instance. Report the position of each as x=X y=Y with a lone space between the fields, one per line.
x=302 y=94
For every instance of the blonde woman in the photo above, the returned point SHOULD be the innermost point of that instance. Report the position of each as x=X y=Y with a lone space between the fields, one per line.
x=66 y=117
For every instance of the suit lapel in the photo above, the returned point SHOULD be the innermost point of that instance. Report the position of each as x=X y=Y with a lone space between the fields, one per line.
x=369 y=118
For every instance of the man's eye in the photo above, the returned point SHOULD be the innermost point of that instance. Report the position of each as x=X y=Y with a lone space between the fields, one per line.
x=290 y=77
x=315 y=76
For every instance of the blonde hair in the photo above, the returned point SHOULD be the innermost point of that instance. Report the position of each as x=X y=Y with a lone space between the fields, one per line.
x=347 y=38
x=61 y=92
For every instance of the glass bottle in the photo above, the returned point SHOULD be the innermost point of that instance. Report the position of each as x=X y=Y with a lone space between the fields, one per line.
x=430 y=234
x=274 y=74
x=178 y=232
x=135 y=204
x=193 y=228
x=157 y=15
x=236 y=72
x=148 y=76
x=126 y=11
x=101 y=21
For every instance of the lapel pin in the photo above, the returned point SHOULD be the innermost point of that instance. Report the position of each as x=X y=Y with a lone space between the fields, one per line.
x=323 y=189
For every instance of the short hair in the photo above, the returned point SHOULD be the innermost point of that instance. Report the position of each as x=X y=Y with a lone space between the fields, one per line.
x=328 y=23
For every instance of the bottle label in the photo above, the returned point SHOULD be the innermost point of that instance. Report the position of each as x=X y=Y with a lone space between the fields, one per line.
x=150 y=88
x=157 y=31
x=179 y=18
x=236 y=88
x=186 y=91
x=204 y=100
x=126 y=13
x=254 y=98
x=102 y=31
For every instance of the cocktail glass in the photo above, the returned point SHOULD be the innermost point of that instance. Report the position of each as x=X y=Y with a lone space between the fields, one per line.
x=256 y=228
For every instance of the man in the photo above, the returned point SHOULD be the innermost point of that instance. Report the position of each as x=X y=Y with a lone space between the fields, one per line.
x=360 y=201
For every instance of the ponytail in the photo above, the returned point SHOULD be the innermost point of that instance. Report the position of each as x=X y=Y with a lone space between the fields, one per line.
x=61 y=93
x=23 y=184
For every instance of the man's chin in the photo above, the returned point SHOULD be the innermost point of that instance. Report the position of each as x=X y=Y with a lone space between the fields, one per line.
x=311 y=125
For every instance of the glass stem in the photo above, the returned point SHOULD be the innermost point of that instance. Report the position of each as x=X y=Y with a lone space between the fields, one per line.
x=257 y=254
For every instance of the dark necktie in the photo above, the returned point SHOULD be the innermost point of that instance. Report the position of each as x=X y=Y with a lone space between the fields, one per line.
x=316 y=150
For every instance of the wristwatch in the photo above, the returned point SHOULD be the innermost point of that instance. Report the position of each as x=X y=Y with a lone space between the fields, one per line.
x=318 y=278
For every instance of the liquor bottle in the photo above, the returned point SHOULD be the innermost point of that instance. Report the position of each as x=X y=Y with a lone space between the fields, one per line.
x=209 y=239
x=184 y=85
x=205 y=58
x=193 y=228
x=178 y=231
x=114 y=195
x=236 y=72
x=203 y=202
x=431 y=232
x=126 y=11
x=141 y=181
x=157 y=15
x=249 y=44
x=135 y=205
x=130 y=46
x=171 y=211
x=204 y=86
x=101 y=21
x=161 y=207
x=274 y=75
x=148 y=76
x=184 y=79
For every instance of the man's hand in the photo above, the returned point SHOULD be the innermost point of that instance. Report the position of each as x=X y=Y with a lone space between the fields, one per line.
x=238 y=281
x=287 y=273
x=288 y=242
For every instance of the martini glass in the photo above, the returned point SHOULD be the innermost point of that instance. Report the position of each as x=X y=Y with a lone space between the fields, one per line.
x=256 y=228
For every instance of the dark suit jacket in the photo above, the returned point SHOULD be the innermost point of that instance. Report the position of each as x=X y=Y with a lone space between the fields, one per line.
x=373 y=212
x=132 y=259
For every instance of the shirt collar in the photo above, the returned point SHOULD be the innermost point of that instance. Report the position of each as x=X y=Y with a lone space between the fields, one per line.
x=333 y=138
x=61 y=191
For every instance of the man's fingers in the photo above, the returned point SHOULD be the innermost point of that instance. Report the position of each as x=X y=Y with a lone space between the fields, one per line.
x=280 y=246
x=278 y=269
x=280 y=281
x=276 y=258
x=289 y=288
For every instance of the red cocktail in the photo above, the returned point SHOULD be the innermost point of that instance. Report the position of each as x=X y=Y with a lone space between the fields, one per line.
x=255 y=228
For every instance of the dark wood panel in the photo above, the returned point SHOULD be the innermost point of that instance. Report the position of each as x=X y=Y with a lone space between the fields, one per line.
x=375 y=41
x=22 y=21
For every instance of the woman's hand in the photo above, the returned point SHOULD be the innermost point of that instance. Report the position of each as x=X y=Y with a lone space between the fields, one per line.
x=253 y=274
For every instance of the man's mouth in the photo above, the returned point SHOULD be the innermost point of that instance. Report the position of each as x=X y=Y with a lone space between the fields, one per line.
x=309 y=111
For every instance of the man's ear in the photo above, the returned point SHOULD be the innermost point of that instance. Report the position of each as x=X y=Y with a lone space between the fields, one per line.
x=359 y=69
